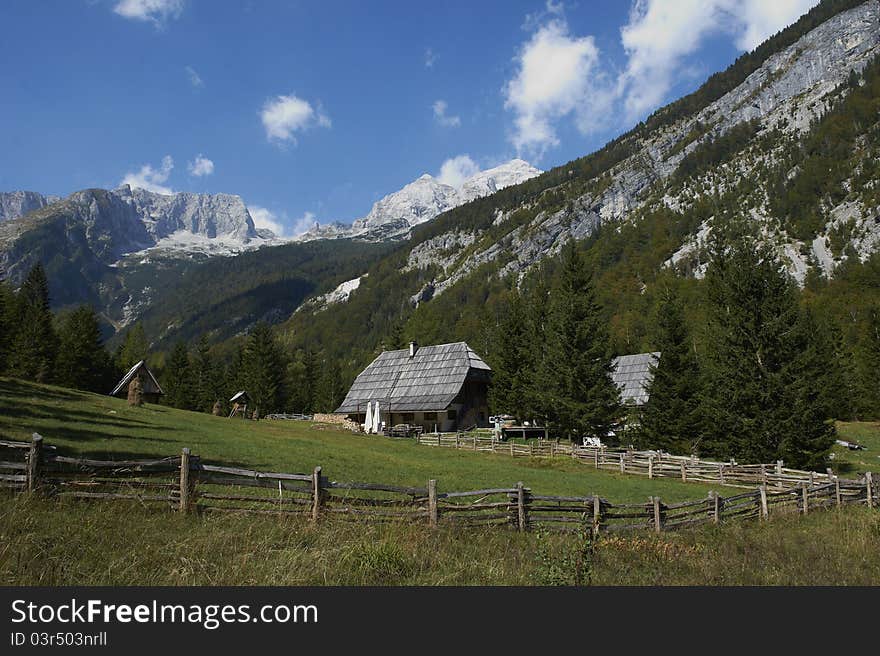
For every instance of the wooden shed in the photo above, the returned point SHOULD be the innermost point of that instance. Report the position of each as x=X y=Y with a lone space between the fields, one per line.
x=442 y=387
x=150 y=387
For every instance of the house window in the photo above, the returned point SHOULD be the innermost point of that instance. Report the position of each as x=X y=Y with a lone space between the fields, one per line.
x=430 y=416
x=407 y=417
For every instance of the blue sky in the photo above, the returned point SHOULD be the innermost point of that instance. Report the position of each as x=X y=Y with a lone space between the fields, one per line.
x=314 y=110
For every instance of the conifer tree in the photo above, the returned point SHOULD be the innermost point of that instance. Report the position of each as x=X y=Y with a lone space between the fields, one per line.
x=537 y=304
x=580 y=398
x=204 y=377
x=868 y=364
x=133 y=349
x=330 y=390
x=6 y=332
x=35 y=345
x=82 y=361
x=760 y=396
x=178 y=383
x=263 y=369
x=309 y=380
x=512 y=359
x=670 y=419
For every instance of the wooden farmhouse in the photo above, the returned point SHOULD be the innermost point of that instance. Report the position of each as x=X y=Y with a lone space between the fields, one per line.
x=632 y=374
x=150 y=388
x=443 y=387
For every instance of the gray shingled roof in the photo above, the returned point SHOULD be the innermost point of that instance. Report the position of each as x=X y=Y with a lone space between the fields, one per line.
x=632 y=374
x=149 y=388
x=430 y=380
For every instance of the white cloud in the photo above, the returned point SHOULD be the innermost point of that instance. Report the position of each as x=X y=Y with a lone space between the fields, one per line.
x=661 y=33
x=194 y=78
x=201 y=166
x=560 y=75
x=456 y=170
x=303 y=224
x=554 y=78
x=283 y=116
x=151 y=179
x=430 y=58
x=266 y=219
x=155 y=11
x=440 y=107
x=762 y=19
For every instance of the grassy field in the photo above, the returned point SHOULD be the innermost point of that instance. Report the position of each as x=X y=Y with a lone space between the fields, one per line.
x=53 y=543
x=867 y=434
x=104 y=427
x=45 y=542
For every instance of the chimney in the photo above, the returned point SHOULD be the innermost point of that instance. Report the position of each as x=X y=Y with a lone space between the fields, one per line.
x=413 y=347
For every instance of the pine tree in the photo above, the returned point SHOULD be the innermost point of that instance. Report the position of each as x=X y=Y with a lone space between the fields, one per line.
x=537 y=304
x=133 y=349
x=309 y=380
x=580 y=397
x=330 y=389
x=263 y=369
x=760 y=397
x=82 y=361
x=669 y=419
x=511 y=359
x=204 y=377
x=6 y=332
x=35 y=345
x=178 y=383
x=868 y=364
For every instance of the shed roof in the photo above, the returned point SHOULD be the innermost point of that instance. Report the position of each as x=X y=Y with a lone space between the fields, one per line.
x=148 y=388
x=429 y=380
x=632 y=374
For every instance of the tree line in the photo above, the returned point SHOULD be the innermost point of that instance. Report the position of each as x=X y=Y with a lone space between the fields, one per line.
x=766 y=384
x=67 y=348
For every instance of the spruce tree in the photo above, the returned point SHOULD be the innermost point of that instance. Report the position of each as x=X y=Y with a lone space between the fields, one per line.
x=178 y=385
x=133 y=349
x=330 y=389
x=310 y=380
x=35 y=345
x=868 y=364
x=204 y=377
x=579 y=396
x=263 y=369
x=6 y=333
x=511 y=359
x=759 y=401
x=82 y=361
x=670 y=419
x=536 y=301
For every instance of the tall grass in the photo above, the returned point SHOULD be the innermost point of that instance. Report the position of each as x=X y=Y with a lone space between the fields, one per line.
x=44 y=542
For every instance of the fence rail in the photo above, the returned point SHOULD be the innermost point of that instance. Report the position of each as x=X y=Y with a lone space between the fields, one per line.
x=187 y=484
x=653 y=464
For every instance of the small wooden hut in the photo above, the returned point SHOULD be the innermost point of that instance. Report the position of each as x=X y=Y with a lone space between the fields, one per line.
x=150 y=388
x=239 y=404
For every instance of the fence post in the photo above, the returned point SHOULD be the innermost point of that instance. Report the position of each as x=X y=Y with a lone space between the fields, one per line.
x=715 y=506
x=511 y=446
x=520 y=507
x=317 y=494
x=763 y=474
x=184 y=480
x=552 y=449
x=804 y=493
x=837 y=492
x=433 y=514
x=35 y=459
x=684 y=475
x=597 y=514
x=475 y=443
x=596 y=456
x=622 y=464
x=779 y=468
x=650 y=466
x=658 y=524
x=765 y=509
x=721 y=474
x=870 y=489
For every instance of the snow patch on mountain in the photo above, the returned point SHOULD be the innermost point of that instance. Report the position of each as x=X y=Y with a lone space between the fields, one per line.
x=396 y=214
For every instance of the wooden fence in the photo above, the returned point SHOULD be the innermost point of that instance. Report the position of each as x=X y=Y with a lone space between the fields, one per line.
x=187 y=484
x=653 y=464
